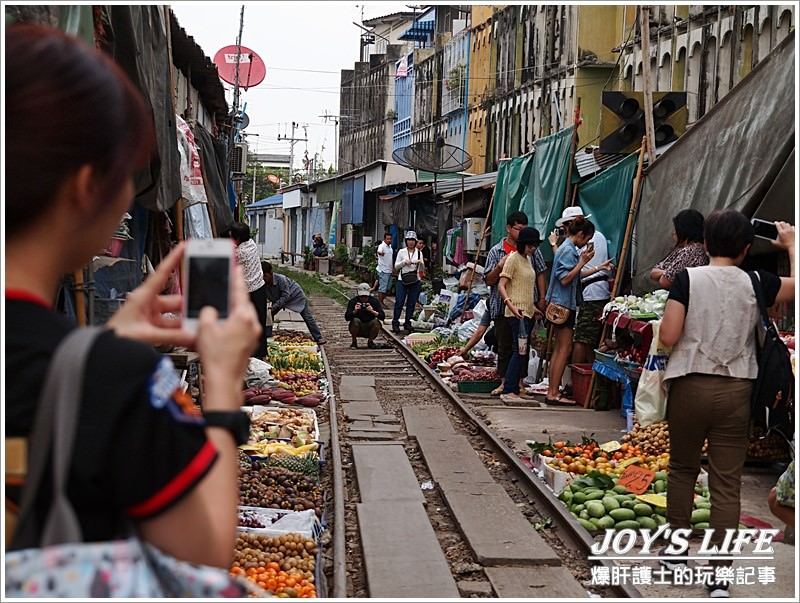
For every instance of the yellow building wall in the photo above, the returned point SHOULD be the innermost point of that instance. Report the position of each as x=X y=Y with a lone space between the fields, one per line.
x=589 y=88
x=481 y=82
x=480 y=13
x=600 y=29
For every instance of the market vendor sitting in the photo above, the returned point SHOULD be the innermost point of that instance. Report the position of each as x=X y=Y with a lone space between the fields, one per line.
x=365 y=315
x=320 y=249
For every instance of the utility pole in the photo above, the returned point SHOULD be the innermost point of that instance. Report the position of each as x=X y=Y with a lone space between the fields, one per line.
x=335 y=119
x=649 y=129
x=292 y=140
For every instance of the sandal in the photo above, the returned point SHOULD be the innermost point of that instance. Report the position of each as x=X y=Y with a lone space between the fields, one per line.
x=497 y=390
x=559 y=402
x=354 y=345
x=371 y=345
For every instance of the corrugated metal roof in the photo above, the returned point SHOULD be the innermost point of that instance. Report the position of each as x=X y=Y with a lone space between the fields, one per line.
x=266 y=202
x=590 y=160
x=448 y=186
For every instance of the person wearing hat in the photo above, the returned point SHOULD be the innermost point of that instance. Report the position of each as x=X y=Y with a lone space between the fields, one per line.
x=516 y=288
x=408 y=262
x=564 y=290
x=365 y=315
x=495 y=262
x=595 y=292
x=320 y=248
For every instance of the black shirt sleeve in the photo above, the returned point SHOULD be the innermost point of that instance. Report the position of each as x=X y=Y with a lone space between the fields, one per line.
x=351 y=308
x=679 y=291
x=770 y=285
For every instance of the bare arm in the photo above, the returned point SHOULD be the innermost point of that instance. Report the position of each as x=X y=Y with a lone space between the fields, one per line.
x=672 y=323
x=785 y=241
x=212 y=504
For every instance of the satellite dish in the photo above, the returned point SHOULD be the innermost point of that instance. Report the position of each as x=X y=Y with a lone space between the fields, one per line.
x=437 y=157
x=251 y=68
x=397 y=155
x=273 y=178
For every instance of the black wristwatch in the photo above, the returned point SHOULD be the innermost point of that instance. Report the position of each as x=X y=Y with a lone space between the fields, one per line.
x=237 y=422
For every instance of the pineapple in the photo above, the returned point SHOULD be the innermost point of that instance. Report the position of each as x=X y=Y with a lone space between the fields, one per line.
x=307 y=464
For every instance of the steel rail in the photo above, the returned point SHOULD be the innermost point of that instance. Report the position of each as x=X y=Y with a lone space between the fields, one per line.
x=569 y=530
x=339 y=549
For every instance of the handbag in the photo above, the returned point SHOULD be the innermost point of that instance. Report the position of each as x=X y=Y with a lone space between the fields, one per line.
x=772 y=401
x=54 y=562
x=556 y=313
x=409 y=278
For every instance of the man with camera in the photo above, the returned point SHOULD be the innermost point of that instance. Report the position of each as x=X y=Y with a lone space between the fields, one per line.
x=365 y=315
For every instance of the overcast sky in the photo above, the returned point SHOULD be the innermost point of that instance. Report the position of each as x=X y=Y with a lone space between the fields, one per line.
x=304 y=45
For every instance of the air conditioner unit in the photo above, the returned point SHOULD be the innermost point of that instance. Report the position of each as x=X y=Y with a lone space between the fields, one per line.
x=366 y=242
x=239 y=158
x=473 y=227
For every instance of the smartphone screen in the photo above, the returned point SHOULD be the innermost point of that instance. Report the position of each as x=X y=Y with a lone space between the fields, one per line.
x=208 y=283
x=764 y=229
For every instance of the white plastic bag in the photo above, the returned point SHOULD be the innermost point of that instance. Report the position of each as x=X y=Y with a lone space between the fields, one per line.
x=258 y=373
x=651 y=393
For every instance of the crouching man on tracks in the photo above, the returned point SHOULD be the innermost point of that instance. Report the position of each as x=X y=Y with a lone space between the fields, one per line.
x=365 y=315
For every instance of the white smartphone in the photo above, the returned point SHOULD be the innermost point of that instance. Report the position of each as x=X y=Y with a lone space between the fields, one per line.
x=207 y=266
x=764 y=229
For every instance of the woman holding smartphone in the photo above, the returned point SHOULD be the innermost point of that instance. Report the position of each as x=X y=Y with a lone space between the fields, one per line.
x=76 y=132
x=564 y=290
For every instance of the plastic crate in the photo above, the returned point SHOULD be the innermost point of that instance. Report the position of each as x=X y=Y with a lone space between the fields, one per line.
x=477 y=387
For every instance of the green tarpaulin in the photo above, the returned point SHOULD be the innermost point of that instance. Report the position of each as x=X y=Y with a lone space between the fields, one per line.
x=534 y=184
x=607 y=197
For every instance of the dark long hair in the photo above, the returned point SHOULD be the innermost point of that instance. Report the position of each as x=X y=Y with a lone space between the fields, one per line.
x=688 y=225
x=67 y=105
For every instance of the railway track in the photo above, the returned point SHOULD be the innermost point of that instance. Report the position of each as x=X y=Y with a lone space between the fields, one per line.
x=545 y=557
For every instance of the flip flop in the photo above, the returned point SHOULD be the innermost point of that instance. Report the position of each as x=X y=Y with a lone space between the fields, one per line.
x=558 y=402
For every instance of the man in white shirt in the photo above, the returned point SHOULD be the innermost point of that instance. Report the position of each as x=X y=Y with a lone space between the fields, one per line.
x=385 y=267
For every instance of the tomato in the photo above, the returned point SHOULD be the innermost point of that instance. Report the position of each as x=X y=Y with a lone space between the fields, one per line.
x=559 y=444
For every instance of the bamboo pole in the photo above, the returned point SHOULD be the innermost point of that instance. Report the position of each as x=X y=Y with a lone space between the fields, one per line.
x=637 y=186
x=480 y=247
x=644 y=22
x=572 y=149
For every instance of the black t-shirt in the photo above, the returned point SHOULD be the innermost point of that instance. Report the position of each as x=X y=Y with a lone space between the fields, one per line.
x=770 y=284
x=139 y=447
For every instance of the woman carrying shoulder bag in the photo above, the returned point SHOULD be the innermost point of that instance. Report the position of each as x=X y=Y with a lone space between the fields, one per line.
x=563 y=295
x=408 y=263
x=76 y=132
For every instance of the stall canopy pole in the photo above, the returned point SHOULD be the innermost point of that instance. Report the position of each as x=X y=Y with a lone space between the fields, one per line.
x=572 y=149
x=478 y=254
x=637 y=187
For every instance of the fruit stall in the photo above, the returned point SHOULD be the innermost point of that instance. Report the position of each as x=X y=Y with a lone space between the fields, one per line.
x=587 y=471
x=629 y=332
x=281 y=512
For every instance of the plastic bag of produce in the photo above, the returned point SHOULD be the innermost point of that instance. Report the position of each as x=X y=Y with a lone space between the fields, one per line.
x=258 y=374
x=651 y=393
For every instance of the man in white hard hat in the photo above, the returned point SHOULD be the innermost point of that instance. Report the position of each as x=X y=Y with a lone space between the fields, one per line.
x=365 y=315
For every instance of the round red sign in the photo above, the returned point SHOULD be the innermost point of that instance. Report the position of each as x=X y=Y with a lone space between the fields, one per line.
x=251 y=68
